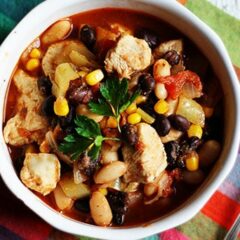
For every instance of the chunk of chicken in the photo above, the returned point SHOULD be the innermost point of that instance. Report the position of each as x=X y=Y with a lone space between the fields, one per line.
x=59 y=53
x=130 y=55
x=40 y=172
x=147 y=162
x=27 y=125
x=164 y=184
x=176 y=45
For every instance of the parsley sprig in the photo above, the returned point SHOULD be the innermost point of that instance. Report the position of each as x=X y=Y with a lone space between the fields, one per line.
x=87 y=138
x=114 y=98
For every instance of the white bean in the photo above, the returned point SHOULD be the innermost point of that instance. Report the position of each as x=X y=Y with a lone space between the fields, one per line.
x=209 y=152
x=110 y=172
x=107 y=155
x=57 y=31
x=100 y=209
x=161 y=68
x=160 y=91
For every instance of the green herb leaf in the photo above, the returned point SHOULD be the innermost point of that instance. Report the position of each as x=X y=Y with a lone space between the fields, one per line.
x=94 y=152
x=98 y=141
x=75 y=148
x=115 y=98
x=87 y=127
x=88 y=138
x=127 y=103
x=70 y=138
x=101 y=108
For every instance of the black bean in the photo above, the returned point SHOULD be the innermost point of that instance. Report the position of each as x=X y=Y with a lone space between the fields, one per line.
x=119 y=205
x=129 y=134
x=174 y=157
x=172 y=150
x=149 y=36
x=162 y=125
x=81 y=94
x=194 y=143
x=180 y=164
x=68 y=120
x=172 y=57
x=47 y=106
x=186 y=147
x=179 y=122
x=146 y=84
x=44 y=85
x=82 y=205
x=148 y=106
x=118 y=218
x=88 y=36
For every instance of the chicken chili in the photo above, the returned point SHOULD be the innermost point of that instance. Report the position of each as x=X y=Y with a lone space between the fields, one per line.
x=113 y=117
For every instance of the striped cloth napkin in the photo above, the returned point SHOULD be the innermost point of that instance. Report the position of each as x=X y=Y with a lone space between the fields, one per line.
x=211 y=223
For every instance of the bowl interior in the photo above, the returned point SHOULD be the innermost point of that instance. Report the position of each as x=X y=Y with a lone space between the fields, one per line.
x=185 y=22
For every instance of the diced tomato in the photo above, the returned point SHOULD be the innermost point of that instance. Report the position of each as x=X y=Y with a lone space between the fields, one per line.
x=175 y=83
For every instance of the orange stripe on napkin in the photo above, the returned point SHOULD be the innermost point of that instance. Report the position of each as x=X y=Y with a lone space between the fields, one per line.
x=237 y=69
x=221 y=209
x=182 y=1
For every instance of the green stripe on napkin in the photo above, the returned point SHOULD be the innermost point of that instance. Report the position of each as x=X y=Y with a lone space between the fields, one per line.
x=202 y=227
x=225 y=25
x=11 y=12
x=6 y=25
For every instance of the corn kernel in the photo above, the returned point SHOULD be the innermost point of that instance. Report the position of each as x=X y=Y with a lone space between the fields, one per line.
x=140 y=99
x=61 y=107
x=35 y=53
x=145 y=116
x=208 y=111
x=82 y=74
x=161 y=107
x=32 y=64
x=112 y=122
x=94 y=77
x=131 y=108
x=30 y=149
x=104 y=191
x=192 y=161
x=134 y=118
x=195 y=131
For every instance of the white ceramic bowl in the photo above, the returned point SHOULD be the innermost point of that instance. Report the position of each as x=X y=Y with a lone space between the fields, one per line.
x=210 y=44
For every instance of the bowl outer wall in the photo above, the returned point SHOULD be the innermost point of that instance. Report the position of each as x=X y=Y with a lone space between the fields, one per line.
x=50 y=11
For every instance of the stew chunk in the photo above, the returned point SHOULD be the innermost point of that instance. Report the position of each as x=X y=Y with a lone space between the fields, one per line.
x=148 y=160
x=27 y=125
x=130 y=54
x=40 y=172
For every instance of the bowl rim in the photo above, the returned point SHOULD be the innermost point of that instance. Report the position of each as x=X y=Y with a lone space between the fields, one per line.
x=182 y=215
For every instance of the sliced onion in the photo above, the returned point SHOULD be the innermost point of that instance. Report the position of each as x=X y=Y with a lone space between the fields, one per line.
x=191 y=110
x=190 y=91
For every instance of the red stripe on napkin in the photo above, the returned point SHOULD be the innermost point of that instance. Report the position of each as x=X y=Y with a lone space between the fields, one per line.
x=221 y=209
x=16 y=217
